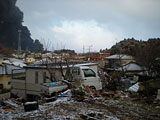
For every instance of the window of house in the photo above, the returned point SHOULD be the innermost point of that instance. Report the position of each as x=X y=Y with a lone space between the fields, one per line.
x=36 y=77
x=1 y=86
x=44 y=77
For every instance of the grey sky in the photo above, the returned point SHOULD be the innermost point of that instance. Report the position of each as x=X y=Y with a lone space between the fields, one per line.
x=101 y=23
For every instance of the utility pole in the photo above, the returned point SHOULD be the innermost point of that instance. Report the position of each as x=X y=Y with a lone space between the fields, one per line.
x=19 y=41
x=83 y=49
x=89 y=48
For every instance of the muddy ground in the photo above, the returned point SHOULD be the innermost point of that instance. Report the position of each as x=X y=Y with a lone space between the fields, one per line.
x=99 y=108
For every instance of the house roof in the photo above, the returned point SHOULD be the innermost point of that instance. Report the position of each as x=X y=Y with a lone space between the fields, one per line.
x=49 y=54
x=7 y=69
x=86 y=64
x=43 y=66
x=15 y=62
x=119 y=56
x=132 y=67
x=43 y=61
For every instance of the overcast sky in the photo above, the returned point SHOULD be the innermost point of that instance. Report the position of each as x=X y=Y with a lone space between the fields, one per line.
x=72 y=24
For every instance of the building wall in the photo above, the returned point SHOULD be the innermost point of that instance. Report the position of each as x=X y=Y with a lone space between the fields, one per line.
x=5 y=80
x=31 y=75
x=18 y=87
x=29 y=86
x=98 y=56
x=1 y=60
x=21 y=88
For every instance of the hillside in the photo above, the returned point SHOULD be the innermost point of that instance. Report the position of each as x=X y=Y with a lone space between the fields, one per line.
x=131 y=46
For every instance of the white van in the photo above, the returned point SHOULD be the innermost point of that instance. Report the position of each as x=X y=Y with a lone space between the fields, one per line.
x=88 y=76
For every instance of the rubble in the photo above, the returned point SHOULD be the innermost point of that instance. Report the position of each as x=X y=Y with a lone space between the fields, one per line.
x=30 y=106
x=96 y=105
x=134 y=88
x=158 y=95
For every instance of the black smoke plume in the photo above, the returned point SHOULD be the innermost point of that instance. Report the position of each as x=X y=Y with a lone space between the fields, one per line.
x=11 y=18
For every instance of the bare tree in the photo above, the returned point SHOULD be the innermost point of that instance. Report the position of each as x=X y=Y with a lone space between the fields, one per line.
x=47 y=44
x=147 y=56
x=62 y=66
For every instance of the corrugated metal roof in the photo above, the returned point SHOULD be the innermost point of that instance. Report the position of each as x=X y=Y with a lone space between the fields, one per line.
x=7 y=69
x=43 y=61
x=119 y=56
x=132 y=67
x=86 y=64
x=58 y=66
x=15 y=62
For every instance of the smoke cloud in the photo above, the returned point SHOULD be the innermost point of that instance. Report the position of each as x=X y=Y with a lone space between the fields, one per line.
x=11 y=19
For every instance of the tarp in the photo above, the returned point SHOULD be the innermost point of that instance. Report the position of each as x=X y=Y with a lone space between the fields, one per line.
x=134 y=88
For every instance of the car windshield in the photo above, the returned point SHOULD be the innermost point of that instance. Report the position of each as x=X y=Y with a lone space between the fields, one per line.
x=89 y=73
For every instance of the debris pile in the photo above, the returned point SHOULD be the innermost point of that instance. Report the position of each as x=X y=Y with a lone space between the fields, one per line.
x=95 y=105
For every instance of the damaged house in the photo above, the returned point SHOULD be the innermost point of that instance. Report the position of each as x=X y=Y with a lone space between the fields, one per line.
x=117 y=60
x=36 y=77
x=48 y=79
x=126 y=65
x=6 y=72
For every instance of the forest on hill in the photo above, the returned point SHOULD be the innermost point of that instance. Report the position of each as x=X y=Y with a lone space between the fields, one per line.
x=146 y=53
